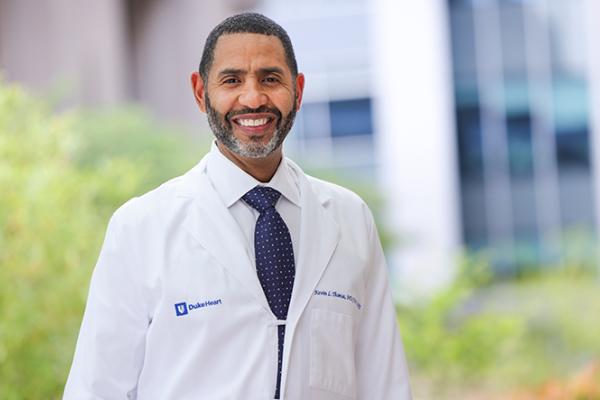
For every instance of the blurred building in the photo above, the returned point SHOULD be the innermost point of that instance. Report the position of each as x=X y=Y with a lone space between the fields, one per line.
x=523 y=126
x=520 y=146
x=103 y=53
x=335 y=126
x=477 y=117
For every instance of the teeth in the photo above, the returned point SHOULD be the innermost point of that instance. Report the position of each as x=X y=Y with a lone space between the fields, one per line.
x=252 y=122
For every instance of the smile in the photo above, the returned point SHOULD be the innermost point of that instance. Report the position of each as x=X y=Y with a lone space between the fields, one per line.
x=253 y=122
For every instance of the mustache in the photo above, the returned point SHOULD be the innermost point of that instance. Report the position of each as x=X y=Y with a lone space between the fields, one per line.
x=261 y=109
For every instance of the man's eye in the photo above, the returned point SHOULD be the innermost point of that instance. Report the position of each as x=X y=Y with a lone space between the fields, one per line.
x=231 y=80
x=271 y=79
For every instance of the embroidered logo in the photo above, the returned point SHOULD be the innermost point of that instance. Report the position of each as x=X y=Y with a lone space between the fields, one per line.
x=183 y=308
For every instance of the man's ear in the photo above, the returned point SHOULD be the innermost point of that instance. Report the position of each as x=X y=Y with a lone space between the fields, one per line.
x=299 y=90
x=199 y=90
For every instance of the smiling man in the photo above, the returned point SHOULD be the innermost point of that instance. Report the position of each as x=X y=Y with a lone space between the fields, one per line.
x=243 y=278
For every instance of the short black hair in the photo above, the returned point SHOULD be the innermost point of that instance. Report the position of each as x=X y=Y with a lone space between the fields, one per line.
x=246 y=23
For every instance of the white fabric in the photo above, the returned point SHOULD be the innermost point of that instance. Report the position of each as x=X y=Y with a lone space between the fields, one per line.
x=231 y=183
x=175 y=309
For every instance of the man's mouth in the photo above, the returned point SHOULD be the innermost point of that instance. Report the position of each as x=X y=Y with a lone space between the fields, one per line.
x=254 y=124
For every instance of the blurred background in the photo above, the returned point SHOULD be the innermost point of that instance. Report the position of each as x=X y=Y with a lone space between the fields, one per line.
x=471 y=127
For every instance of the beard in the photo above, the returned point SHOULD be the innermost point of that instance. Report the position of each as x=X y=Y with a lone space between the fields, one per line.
x=222 y=128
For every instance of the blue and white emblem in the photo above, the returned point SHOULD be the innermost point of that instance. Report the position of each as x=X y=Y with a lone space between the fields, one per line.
x=181 y=309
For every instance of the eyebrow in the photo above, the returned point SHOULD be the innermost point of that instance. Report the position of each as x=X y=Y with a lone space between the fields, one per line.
x=231 y=71
x=271 y=70
x=235 y=71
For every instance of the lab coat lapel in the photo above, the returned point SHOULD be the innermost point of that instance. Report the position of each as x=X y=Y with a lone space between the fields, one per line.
x=319 y=236
x=211 y=224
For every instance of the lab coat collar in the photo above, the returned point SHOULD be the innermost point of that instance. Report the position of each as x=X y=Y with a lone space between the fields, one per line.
x=231 y=183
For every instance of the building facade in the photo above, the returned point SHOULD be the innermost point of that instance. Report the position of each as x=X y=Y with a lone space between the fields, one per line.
x=478 y=119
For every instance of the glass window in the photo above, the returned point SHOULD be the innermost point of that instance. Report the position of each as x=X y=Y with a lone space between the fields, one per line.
x=351 y=117
x=570 y=105
x=469 y=143
x=315 y=119
x=518 y=129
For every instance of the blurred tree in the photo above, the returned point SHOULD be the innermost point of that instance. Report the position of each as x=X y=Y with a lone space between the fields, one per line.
x=61 y=178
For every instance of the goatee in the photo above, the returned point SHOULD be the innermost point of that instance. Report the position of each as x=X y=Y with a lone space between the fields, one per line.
x=222 y=128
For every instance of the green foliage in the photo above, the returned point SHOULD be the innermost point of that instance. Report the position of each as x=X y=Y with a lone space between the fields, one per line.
x=61 y=178
x=130 y=134
x=449 y=344
x=478 y=334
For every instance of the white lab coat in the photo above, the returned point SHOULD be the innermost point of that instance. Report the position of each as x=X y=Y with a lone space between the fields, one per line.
x=179 y=244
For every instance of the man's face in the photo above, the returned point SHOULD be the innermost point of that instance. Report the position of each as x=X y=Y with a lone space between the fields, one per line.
x=251 y=97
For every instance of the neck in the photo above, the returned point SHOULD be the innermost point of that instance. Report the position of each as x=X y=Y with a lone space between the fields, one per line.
x=261 y=169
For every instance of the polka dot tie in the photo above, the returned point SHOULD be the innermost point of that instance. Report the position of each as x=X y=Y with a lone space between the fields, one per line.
x=274 y=259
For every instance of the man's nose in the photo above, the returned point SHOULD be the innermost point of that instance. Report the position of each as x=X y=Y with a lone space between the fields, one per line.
x=252 y=95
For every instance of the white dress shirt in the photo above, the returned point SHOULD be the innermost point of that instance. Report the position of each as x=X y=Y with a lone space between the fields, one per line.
x=231 y=183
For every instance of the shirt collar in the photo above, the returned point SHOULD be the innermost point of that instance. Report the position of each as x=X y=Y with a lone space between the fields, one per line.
x=231 y=182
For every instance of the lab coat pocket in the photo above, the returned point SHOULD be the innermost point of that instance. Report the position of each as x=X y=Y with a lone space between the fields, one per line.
x=332 y=356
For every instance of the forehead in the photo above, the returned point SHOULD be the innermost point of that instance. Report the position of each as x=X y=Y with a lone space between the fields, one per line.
x=247 y=51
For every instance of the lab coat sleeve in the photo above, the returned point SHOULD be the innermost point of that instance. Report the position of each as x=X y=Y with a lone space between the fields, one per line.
x=110 y=348
x=382 y=372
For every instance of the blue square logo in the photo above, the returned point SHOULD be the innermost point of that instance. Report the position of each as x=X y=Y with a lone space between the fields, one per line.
x=181 y=309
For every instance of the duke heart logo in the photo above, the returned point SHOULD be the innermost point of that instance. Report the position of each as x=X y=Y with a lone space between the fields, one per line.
x=183 y=308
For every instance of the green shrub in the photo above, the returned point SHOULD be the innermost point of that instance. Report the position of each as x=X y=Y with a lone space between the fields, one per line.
x=447 y=339
x=61 y=178
x=495 y=336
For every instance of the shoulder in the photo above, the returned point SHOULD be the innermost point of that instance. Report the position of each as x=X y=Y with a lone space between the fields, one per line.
x=158 y=206
x=347 y=206
x=335 y=198
x=331 y=191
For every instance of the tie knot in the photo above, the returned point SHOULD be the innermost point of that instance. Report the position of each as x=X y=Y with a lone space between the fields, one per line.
x=261 y=198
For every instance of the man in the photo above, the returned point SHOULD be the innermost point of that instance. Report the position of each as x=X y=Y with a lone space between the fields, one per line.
x=244 y=278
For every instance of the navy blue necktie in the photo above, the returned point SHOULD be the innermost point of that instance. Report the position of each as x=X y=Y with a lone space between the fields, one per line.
x=274 y=259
